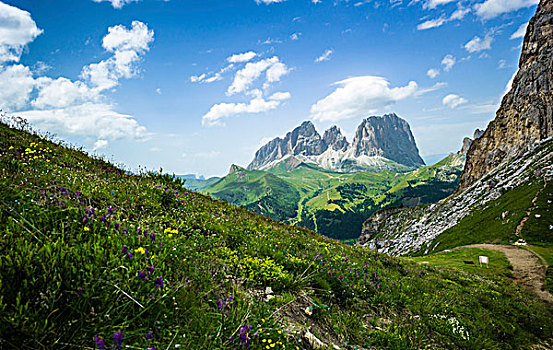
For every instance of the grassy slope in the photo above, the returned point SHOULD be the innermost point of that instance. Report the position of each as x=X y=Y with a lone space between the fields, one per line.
x=87 y=251
x=335 y=204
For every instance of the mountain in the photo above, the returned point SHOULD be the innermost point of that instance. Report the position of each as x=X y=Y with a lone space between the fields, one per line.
x=506 y=188
x=197 y=183
x=525 y=116
x=380 y=143
x=332 y=203
x=93 y=257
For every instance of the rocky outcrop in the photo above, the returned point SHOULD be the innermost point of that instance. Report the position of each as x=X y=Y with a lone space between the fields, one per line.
x=413 y=230
x=380 y=143
x=334 y=139
x=389 y=137
x=525 y=116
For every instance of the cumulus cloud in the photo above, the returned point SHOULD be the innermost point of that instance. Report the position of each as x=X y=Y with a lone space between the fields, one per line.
x=477 y=44
x=453 y=101
x=242 y=57
x=520 y=32
x=224 y=110
x=432 y=4
x=16 y=85
x=245 y=77
x=432 y=23
x=88 y=119
x=359 y=96
x=448 y=61
x=100 y=144
x=118 y=4
x=492 y=8
x=325 y=56
x=280 y=96
x=127 y=46
x=433 y=73
x=17 y=29
x=74 y=107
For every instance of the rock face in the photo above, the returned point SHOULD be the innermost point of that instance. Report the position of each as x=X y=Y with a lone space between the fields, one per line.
x=525 y=116
x=389 y=137
x=380 y=143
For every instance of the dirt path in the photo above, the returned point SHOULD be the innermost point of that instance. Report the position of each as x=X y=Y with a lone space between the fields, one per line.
x=527 y=268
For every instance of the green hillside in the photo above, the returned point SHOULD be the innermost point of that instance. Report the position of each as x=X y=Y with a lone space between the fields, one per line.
x=93 y=257
x=330 y=203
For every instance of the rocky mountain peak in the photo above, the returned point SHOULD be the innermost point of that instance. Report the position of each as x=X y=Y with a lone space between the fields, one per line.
x=388 y=136
x=377 y=141
x=525 y=116
x=334 y=138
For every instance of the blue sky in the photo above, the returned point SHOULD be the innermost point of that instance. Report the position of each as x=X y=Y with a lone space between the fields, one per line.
x=193 y=86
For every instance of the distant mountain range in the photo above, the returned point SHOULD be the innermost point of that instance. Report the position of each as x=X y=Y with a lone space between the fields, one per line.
x=337 y=203
x=380 y=143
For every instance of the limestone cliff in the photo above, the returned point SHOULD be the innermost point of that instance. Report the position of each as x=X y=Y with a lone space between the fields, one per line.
x=525 y=116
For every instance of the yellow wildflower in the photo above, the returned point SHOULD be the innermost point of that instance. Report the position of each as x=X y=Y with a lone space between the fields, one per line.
x=140 y=250
x=86 y=229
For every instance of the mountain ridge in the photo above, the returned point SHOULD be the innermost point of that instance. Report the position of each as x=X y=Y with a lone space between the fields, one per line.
x=380 y=143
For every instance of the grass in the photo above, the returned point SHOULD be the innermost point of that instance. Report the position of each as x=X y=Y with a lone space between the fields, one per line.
x=334 y=204
x=494 y=223
x=498 y=264
x=92 y=257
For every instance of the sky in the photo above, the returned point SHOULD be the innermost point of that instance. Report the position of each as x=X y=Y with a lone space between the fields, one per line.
x=193 y=86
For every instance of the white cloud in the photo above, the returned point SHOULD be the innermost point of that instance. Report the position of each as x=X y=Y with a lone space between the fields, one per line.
x=245 y=77
x=433 y=73
x=16 y=85
x=432 y=4
x=520 y=32
x=493 y=8
x=460 y=13
x=224 y=110
x=358 y=96
x=100 y=144
x=71 y=107
x=280 y=96
x=453 y=101
x=242 y=57
x=267 y=2
x=501 y=64
x=17 y=29
x=96 y=119
x=126 y=45
x=325 y=56
x=158 y=91
x=118 y=4
x=62 y=92
x=276 y=71
x=432 y=23
x=448 y=61
x=197 y=78
x=295 y=36
x=477 y=44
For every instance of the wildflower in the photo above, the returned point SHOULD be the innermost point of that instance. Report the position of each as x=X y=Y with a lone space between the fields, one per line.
x=129 y=255
x=86 y=229
x=124 y=250
x=159 y=282
x=116 y=226
x=99 y=341
x=118 y=339
x=80 y=291
x=150 y=269
x=11 y=147
x=142 y=276
x=110 y=211
x=149 y=336
x=153 y=236
x=140 y=250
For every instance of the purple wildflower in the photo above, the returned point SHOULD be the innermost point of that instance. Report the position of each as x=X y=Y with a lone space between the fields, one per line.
x=159 y=282
x=124 y=250
x=153 y=236
x=99 y=341
x=150 y=269
x=80 y=291
x=142 y=276
x=149 y=336
x=118 y=339
x=110 y=211
x=116 y=225
x=129 y=255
